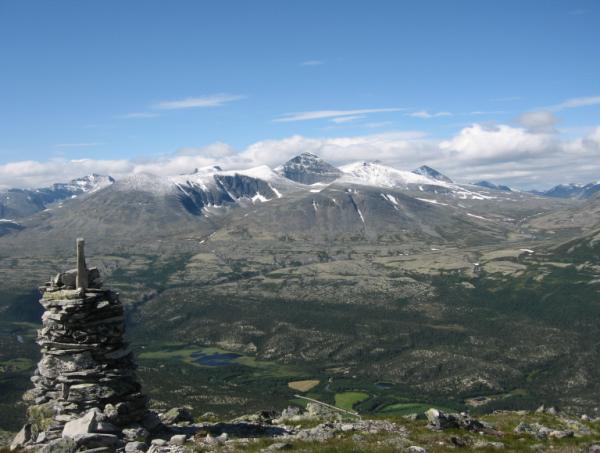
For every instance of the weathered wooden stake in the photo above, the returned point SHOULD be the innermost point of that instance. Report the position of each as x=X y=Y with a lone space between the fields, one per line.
x=82 y=274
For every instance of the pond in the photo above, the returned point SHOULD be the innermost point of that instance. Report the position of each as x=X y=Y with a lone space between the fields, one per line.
x=215 y=359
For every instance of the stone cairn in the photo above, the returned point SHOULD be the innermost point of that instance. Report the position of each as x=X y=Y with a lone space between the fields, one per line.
x=86 y=394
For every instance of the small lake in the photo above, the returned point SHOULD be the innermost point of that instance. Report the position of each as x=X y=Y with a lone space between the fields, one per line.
x=215 y=359
x=384 y=385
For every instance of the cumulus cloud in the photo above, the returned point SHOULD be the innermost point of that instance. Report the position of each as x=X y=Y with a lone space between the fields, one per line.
x=506 y=154
x=539 y=122
x=497 y=143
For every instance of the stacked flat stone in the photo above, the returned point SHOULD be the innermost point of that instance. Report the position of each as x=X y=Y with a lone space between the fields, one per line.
x=86 y=369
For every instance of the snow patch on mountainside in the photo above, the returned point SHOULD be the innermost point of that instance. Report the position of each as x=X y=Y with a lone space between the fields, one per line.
x=427 y=200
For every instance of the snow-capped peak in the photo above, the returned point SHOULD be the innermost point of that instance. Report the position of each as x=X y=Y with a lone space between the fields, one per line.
x=86 y=184
x=376 y=174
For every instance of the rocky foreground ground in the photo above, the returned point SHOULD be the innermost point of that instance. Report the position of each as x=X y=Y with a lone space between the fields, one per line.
x=318 y=429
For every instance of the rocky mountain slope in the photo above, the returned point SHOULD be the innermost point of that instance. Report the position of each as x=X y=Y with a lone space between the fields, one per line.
x=308 y=168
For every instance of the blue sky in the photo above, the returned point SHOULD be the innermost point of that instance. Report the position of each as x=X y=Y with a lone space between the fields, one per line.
x=144 y=80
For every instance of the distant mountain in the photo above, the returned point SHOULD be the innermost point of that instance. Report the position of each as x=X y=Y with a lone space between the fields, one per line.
x=18 y=203
x=431 y=173
x=308 y=168
x=491 y=185
x=579 y=191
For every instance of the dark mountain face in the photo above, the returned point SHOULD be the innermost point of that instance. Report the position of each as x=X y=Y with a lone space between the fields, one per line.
x=227 y=189
x=572 y=191
x=432 y=173
x=19 y=203
x=491 y=185
x=308 y=168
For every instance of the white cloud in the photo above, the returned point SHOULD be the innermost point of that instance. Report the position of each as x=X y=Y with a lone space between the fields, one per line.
x=501 y=153
x=312 y=63
x=481 y=143
x=40 y=174
x=321 y=114
x=539 y=122
x=576 y=102
x=213 y=100
x=426 y=115
x=347 y=119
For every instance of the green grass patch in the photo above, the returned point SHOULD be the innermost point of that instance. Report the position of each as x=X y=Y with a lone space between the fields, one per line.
x=15 y=365
x=347 y=400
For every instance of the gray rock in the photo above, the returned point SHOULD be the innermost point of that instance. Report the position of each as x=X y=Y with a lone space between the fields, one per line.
x=83 y=425
x=21 y=438
x=59 y=446
x=290 y=412
x=138 y=434
x=133 y=447
x=560 y=434
x=159 y=442
x=439 y=421
x=416 y=449
x=107 y=428
x=96 y=440
x=178 y=439
x=177 y=415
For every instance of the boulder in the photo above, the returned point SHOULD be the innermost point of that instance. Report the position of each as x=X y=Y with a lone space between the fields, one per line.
x=134 y=447
x=178 y=439
x=66 y=445
x=439 y=421
x=177 y=415
x=21 y=438
x=136 y=434
x=83 y=425
x=97 y=440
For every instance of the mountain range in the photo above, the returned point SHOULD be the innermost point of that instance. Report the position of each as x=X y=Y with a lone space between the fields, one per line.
x=401 y=285
x=305 y=198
